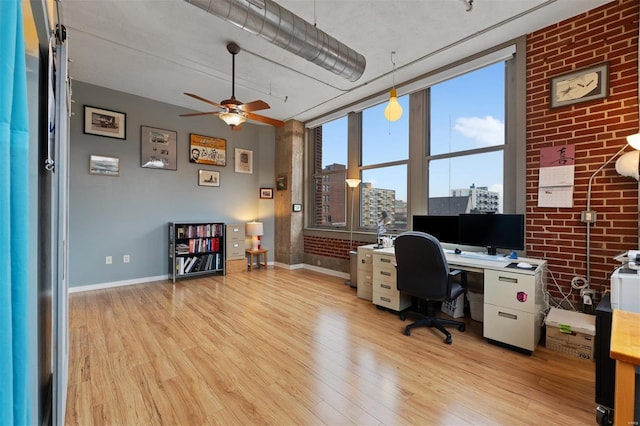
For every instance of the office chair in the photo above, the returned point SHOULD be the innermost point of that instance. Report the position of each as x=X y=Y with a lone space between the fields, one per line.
x=423 y=272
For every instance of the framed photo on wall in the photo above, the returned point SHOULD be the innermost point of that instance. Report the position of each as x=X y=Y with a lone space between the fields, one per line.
x=281 y=183
x=207 y=150
x=105 y=166
x=266 y=193
x=244 y=161
x=158 y=148
x=582 y=85
x=208 y=178
x=102 y=122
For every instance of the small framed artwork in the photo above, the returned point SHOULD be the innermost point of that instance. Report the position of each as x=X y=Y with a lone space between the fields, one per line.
x=266 y=193
x=207 y=150
x=102 y=122
x=158 y=148
x=208 y=178
x=281 y=183
x=244 y=161
x=105 y=166
x=297 y=207
x=582 y=85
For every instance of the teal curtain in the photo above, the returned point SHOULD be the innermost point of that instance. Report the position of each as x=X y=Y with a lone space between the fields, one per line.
x=14 y=226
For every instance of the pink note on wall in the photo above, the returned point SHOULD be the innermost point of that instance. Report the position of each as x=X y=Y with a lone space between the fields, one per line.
x=558 y=156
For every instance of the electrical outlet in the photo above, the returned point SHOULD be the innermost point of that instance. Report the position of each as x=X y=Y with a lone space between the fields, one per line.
x=109 y=260
x=126 y=258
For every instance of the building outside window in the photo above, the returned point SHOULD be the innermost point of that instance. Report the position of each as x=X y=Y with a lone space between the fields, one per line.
x=330 y=159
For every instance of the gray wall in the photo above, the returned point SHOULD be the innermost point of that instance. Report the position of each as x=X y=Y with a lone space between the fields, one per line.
x=128 y=214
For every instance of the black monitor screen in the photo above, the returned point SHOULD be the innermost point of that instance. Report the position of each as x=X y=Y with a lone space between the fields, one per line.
x=444 y=228
x=492 y=231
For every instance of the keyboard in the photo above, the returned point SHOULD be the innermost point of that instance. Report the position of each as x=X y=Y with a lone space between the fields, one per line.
x=482 y=256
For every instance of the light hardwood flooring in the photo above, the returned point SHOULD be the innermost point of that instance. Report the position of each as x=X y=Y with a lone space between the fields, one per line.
x=298 y=348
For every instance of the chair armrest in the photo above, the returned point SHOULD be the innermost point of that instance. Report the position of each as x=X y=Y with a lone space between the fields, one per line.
x=463 y=276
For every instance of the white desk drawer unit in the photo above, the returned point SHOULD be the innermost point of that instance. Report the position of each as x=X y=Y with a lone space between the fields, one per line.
x=365 y=272
x=384 y=290
x=513 y=307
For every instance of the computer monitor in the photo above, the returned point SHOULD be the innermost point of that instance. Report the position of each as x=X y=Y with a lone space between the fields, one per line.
x=492 y=231
x=444 y=228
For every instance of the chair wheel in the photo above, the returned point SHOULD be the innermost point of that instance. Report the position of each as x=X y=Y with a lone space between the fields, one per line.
x=407 y=332
x=448 y=340
x=461 y=327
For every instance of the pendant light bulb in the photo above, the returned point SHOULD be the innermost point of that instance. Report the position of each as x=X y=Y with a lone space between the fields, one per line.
x=393 y=110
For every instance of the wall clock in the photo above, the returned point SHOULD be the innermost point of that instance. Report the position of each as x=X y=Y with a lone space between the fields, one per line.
x=582 y=85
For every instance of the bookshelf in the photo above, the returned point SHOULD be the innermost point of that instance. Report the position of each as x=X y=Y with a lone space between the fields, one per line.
x=196 y=248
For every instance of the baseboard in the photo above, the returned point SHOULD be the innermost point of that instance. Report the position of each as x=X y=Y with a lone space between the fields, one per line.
x=101 y=286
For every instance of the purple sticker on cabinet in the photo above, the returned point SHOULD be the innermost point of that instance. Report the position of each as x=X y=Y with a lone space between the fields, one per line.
x=521 y=296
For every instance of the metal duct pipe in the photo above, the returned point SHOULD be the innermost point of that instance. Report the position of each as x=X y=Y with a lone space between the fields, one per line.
x=282 y=28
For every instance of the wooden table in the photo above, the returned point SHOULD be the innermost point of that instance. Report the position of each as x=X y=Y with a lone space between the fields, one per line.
x=257 y=254
x=625 y=349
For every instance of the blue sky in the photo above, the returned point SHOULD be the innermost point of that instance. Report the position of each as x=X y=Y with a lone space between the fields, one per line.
x=467 y=112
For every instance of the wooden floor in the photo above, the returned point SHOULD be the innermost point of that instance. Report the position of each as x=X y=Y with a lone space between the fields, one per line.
x=298 y=348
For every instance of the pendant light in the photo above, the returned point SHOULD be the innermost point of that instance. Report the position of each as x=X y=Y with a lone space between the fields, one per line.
x=393 y=110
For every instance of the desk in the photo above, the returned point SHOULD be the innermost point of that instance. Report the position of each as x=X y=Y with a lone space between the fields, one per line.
x=257 y=254
x=625 y=349
x=513 y=297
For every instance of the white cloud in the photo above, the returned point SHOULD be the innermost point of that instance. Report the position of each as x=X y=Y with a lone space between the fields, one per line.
x=487 y=131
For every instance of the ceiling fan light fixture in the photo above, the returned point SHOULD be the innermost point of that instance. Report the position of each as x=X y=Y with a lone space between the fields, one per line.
x=232 y=118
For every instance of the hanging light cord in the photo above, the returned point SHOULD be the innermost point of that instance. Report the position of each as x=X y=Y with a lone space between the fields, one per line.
x=393 y=73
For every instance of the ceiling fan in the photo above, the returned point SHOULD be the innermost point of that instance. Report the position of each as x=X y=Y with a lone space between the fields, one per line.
x=234 y=112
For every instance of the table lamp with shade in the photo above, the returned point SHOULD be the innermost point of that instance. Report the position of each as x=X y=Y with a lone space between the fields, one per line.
x=254 y=230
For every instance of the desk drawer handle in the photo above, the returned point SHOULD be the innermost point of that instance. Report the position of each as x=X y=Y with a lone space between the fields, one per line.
x=385 y=260
x=388 y=274
x=388 y=287
x=508 y=280
x=385 y=299
x=506 y=315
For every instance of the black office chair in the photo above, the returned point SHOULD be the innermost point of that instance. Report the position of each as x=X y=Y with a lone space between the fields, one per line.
x=423 y=272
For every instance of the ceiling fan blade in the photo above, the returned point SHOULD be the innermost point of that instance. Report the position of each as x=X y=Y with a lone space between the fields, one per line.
x=267 y=120
x=238 y=127
x=253 y=106
x=194 y=114
x=200 y=98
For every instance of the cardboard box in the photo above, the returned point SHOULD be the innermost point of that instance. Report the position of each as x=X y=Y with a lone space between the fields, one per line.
x=571 y=333
x=455 y=308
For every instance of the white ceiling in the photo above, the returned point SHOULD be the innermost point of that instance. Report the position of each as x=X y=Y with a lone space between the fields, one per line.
x=159 y=49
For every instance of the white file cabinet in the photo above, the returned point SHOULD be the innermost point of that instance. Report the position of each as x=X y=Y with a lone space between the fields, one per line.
x=365 y=271
x=383 y=285
x=513 y=306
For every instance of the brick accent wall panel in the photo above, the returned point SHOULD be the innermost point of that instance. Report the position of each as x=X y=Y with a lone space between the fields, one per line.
x=597 y=129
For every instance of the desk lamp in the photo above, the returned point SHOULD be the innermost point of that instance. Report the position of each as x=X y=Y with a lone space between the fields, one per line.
x=382 y=227
x=254 y=230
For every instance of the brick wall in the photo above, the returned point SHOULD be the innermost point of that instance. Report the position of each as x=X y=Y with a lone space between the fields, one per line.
x=329 y=247
x=597 y=129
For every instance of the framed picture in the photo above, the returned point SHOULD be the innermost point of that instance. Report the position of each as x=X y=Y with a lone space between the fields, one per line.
x=582 y=85
x=281 y=183
x=102 y=122
x=158 y=148
x=266 y=193
x=297 y=207
x=207 y=150
x=244 y=161
x=105 y=166
x=208 y=178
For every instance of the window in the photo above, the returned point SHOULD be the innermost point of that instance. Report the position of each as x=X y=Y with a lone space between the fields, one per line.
x=330 y=159
x=466 y=151
x=385 y=153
